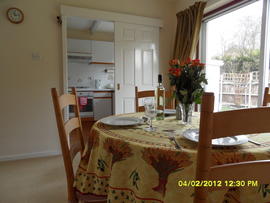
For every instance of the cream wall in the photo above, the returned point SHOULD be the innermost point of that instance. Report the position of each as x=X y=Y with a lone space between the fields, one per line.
x=27 y=123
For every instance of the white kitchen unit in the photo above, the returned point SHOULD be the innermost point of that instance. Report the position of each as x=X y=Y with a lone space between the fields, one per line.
x=102 y=52
x=103 y=104
x=79 y=46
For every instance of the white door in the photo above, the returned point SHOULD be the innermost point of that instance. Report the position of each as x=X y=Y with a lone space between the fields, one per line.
x=136 y=63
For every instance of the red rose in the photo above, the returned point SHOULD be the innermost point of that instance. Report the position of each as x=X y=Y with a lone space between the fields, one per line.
x=182 y=63
x=174 y=62
x=196 y=62
x=175 y=71
x=188 y=60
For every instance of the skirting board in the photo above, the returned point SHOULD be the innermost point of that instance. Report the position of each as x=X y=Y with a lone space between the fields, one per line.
x=29 y=155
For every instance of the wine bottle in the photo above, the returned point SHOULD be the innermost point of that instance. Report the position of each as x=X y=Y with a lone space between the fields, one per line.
x=160 y=99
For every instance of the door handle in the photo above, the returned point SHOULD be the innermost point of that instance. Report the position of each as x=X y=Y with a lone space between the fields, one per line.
x=118 y=86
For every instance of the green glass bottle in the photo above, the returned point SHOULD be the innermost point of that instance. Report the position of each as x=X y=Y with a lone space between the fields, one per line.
x=160 y=99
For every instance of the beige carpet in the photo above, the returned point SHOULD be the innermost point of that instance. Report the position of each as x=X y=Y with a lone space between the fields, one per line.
x=39 y=180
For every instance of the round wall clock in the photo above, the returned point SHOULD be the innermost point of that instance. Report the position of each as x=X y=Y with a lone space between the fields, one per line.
x=15 y=15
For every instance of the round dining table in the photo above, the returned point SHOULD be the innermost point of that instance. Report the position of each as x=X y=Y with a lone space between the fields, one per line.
x=129 y=164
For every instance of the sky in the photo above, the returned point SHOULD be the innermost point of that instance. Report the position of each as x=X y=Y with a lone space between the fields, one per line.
x=227 y=25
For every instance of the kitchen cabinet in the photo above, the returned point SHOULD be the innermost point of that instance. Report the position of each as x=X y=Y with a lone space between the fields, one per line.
x=102 y=52
x=102 y=108
x=103 y=105
x=79 y=46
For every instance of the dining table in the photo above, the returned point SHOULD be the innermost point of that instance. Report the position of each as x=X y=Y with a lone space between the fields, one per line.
x=129 y=164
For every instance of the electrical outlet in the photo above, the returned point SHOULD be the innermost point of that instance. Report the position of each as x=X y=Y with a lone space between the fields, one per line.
x=36 y=56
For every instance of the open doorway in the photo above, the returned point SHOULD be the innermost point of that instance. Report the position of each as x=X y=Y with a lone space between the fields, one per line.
x=136 y=52
x=90 y=65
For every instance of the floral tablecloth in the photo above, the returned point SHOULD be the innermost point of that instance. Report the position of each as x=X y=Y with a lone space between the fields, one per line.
x=129 y=164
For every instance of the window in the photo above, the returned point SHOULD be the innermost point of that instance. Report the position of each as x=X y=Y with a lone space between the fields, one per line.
x=235 y=50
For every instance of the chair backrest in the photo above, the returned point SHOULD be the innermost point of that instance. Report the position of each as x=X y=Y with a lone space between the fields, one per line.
x=140 y=95
x=224 y=124
x=169 y=103
x=169 y=100
x=266 y=96
x=70 y=134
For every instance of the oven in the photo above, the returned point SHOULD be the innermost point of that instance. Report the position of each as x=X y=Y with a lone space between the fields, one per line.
x=86 y=102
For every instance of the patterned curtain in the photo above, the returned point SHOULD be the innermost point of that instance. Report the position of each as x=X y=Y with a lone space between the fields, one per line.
x=188 y=30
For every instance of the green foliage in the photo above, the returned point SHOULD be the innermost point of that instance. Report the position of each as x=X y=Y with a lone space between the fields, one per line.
x=188 y=80
x=239 y=61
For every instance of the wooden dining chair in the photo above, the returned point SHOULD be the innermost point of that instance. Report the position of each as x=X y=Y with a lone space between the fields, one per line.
x=169 y=100
x=140 y=95
x=71 y=138
x=266 y=96
x=224 y=124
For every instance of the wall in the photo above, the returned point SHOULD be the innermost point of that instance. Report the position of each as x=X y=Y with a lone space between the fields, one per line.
x=27 y=123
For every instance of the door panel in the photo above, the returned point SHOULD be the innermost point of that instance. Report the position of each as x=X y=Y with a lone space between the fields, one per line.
x=128 y=105
x=129 y=34
x=147 y=68
x=129 y=66
x=136 y=64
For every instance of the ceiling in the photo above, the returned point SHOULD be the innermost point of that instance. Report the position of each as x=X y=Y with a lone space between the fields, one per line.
x=77 y=23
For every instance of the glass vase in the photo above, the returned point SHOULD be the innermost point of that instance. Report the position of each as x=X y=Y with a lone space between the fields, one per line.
x=186 y=112
x=178 y=112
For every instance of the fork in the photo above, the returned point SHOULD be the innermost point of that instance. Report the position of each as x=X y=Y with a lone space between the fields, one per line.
x=177 y=146
x=254 y=142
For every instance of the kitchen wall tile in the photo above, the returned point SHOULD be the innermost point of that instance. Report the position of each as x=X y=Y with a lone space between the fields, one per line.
x=83 y=74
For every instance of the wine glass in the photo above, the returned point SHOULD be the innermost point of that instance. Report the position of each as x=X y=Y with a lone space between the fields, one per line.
x=150 y=112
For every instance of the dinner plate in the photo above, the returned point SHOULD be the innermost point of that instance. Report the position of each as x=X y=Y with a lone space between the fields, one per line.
x=193 y=135
x=169 y=111
x=121 y=121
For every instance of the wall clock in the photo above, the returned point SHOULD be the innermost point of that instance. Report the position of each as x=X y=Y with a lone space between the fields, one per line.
x=15 y=15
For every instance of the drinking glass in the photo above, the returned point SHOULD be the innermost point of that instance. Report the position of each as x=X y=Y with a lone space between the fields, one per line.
x=150 y=112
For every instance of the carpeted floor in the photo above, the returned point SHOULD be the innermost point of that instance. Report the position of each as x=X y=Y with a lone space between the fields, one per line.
x=39 y=180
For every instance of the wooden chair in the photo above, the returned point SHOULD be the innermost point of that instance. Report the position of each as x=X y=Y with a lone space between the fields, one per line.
x=169 y=104
x=266 y=96
x=140 y=95
x=169 y=100
x=71 y=138
x=237 y=122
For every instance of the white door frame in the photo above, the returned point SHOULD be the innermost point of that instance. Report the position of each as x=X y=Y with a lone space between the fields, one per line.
x=68 y=11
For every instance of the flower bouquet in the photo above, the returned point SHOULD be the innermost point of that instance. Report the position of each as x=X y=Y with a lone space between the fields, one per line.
x=188 y=79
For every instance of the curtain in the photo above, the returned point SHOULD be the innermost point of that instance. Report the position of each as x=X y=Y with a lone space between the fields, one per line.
x=188 y=30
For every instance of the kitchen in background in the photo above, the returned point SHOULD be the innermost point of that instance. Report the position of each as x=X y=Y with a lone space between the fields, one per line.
x=90 y=49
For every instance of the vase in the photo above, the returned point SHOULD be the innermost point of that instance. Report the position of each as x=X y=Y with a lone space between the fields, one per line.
x=178 y=112
x=186 y=112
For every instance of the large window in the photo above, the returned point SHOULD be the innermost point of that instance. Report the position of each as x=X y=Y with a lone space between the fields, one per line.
x=236 y=54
